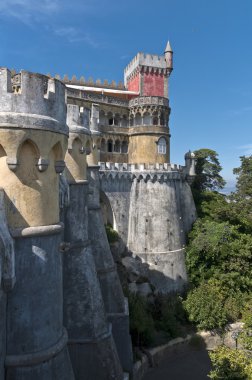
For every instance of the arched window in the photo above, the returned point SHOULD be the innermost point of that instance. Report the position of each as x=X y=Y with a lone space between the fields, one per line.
x=124 y=122
x=138 y=119
x=124 y=147
x=103 y=145
x=110 y=118
x=117 y=147
x=162 y=122
x=162 y=146
x=147 y=118
x=110 y=146
x=117 y=119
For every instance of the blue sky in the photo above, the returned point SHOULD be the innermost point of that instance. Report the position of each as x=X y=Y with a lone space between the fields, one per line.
x=210 y=87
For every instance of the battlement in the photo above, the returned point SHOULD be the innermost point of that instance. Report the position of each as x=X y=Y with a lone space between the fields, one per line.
x=153 y=172
x=151 y=60
x=32 y=101
x=160 y=172
x=77 y=119
x=113 y=166
x=156 y=63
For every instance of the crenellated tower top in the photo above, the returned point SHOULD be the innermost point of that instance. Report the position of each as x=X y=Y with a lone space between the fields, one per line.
x=148 y=73
x=32 y=100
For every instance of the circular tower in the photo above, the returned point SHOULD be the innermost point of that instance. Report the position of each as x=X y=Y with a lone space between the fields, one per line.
x=33 y=136
x=149 y=135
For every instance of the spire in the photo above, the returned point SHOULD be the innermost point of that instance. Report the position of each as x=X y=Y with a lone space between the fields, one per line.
x=168 y=53
x=168 y=48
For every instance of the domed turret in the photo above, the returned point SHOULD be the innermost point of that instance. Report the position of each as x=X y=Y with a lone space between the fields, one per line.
x=190 y=165
x=189 y=155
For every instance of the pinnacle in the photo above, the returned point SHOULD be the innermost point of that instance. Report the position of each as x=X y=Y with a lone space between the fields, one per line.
x=168 y=47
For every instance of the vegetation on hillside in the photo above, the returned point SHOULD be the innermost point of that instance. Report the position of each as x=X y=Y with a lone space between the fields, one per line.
x=219 y=261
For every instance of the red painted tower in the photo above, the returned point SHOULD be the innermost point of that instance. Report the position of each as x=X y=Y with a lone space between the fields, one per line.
x=149 y=135
x=148 y=74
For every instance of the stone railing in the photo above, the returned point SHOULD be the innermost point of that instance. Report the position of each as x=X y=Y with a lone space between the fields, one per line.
x=149 y=100
x=97 y=98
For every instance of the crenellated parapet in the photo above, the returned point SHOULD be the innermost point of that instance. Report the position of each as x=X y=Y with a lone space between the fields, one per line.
x=82 y=81
x=145 y=172
x=148 y=64
x=33 y=141
x=32 y=101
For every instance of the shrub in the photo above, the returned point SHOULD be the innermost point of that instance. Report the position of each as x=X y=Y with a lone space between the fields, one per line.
x=205 y=306
x=245 y=337
x=230 y=364
x=112 y=235
x=141 y=321
x=169 y=314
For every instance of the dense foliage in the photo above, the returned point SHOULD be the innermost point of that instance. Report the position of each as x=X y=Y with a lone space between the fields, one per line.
x=211 y=305
x=148 y=318
x=219 y=262
x=208 y=170
x=230 y=364
x=220 y=249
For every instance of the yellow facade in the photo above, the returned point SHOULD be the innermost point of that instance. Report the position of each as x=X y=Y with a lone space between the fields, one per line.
x=29 y=163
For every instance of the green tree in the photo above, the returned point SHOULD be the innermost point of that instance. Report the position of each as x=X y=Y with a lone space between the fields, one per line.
x=230 y=364
x=221 y=251
x=205 y=306
x=242 y=198
x=208 y=170
x=245 y=337
x=244 y=177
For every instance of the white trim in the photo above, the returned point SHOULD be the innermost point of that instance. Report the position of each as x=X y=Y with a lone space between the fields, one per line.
x=102 y=90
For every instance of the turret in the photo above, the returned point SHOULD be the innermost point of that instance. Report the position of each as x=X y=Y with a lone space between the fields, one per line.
x=33 y=136
x=149 y=140
x=190 y=162
x=168 y=53
x=79 y=143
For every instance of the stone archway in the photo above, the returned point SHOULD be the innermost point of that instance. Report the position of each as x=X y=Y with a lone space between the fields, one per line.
x=107 y=212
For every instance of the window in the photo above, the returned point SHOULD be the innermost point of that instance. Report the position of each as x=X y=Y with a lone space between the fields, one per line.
x=124 y=147
x=162 y=146
x=110 y=146
x=117 y=147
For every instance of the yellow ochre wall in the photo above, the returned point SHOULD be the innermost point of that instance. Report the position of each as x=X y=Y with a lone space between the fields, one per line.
x=32 y=196
x=143 y=146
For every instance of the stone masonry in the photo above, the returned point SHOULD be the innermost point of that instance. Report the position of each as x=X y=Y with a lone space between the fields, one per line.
x=75 y=155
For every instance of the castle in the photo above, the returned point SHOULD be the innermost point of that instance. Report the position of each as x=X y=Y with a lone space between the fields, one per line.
x=74 y=155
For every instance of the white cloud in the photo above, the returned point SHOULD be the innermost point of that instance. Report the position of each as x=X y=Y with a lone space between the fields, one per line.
x=28 y=11
x=73 y=34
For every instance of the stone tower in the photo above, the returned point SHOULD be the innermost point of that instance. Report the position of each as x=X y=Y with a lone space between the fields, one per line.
x=91 y=343
x=116 y=305
x=33 y=135
x=149 y=112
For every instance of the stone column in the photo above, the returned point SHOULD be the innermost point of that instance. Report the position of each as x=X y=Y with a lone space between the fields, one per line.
x=33 y=135
x=91 y=345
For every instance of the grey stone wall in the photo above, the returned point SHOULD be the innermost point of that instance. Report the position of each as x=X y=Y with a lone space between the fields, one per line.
x=91 y=346
x=153 y=211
